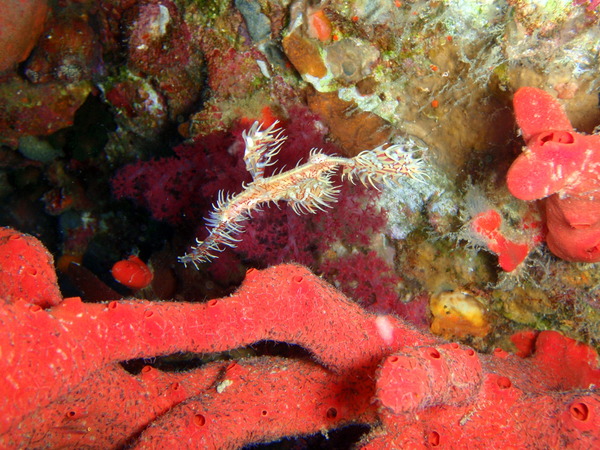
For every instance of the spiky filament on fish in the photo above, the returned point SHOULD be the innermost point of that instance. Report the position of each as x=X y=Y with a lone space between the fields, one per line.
x=308 y=187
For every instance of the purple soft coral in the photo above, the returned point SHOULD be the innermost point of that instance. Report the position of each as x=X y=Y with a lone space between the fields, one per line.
x=182 y=187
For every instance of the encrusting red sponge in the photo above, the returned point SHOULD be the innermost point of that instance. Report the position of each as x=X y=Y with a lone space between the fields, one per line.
x=560 y=166
x=510 y=254
x=319 y=26
x=133 y=273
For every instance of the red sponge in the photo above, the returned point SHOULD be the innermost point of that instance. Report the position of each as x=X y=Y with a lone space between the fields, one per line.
x=26 y=270
x=537 y=111
x=561 y=166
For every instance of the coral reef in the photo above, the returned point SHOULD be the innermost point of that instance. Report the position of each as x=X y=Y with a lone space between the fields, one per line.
x=122 y=120
x=364 y=368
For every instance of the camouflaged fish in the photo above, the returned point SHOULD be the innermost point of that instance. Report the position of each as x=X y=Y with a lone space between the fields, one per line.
x=307 y=188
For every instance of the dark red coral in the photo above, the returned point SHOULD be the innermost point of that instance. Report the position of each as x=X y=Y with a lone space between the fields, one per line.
x=276 y=235
x=365 y=277
x=182 y=187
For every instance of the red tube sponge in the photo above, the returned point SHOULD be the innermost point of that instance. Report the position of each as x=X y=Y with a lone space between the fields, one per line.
x=528 y=103
x=561 y=166
x=60 y=376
